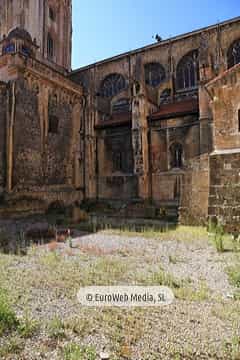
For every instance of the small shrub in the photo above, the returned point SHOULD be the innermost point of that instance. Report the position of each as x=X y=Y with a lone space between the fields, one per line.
x=76 y=352
x=8 y=319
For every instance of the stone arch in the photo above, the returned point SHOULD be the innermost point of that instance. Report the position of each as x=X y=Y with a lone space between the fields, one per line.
x=154 y=74
x=233 y=54
x=188 y=71
x=112 y=85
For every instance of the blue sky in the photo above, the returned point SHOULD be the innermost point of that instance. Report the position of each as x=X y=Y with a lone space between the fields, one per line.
x=105 y=28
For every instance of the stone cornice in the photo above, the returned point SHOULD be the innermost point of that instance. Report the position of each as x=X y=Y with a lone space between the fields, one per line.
x=19 y=63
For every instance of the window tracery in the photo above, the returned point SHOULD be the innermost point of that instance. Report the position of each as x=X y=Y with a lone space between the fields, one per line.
x=188 y=71
x=112 y=85
x=154 y=74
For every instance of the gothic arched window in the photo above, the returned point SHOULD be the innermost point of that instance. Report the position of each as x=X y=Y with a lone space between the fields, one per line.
x=176 y=155
x=50 y=46
x=154 y=74
x=234 y=54
x=188 y=71
x=112 y=85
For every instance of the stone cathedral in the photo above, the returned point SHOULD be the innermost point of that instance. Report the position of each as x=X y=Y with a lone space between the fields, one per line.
x=154 y=129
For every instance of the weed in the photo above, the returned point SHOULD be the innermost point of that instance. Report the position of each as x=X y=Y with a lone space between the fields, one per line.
x=8 y=319
x=76 y=352
x=13 y=346
x=50 y=259
x=79 y=326
x=232 y=347
x=188 y=293
x=163 y=278
x=27 y=327
x=234 y=275
x=56 y=328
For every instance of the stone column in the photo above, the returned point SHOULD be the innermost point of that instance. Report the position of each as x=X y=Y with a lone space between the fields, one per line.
x=205 y=115
x=11 y=107
x=140 y=142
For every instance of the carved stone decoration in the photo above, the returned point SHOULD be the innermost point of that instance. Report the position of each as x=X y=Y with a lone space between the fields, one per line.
x=137 y=136
x=171 y=65
x=219 y=56
x=204 y=50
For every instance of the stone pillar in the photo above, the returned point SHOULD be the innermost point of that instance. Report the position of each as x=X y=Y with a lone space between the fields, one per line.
x=205 y=116
x=11 y=107
x=140 y=142
x=205 y=119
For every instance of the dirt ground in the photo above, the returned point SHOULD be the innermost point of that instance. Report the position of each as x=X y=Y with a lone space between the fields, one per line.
x=201 y=323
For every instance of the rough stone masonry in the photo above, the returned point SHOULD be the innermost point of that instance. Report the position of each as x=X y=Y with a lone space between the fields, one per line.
x=155 y=128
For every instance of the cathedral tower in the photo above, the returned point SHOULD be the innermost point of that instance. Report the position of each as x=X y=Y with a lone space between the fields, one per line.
x=47 y=21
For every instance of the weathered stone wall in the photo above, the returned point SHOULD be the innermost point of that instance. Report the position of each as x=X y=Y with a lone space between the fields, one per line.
x=57 y=154
x=27 y=157
x=225 y=92
x=224 y=198
x=165 y=180
x=195 y=192
x=42 y=139
x=33 y=16
x=3 y=114
x=41 y=157
x=115 y=173
x=38 y=162
x=151 y=163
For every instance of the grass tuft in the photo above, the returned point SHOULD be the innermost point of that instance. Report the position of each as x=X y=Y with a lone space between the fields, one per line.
x=76 y=352
x=8 y=318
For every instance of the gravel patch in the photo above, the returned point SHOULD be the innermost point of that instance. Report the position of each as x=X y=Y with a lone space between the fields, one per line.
x=201 y=329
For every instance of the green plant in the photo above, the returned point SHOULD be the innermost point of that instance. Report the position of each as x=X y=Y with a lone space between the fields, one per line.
x=8 y=319
x=163 y=278
x=232 y=347
x=218 y=238
x=27 y=327
x=234 y=275
x=76 y=352
x=188 y=293
x=14 y=346
x=56 y=328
